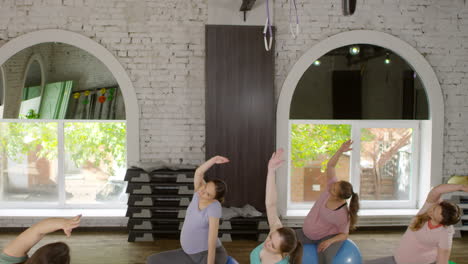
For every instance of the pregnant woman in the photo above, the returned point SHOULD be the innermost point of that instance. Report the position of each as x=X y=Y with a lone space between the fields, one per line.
x=330 y=219
x=428 y=239
x=199 y=236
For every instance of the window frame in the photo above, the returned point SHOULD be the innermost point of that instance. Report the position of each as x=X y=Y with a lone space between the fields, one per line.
x=432 y=130
x=61 y=196
x=356 y=126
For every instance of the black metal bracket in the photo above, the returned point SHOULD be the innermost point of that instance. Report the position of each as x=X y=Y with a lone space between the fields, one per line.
x=349 y=6
x=246 y=6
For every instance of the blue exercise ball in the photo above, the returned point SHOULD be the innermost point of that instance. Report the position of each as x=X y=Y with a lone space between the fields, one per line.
x=309 y=254
x=231 y=260
x=347 y=254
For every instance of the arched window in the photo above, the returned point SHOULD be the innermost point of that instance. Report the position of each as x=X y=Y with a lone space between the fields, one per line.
x=71 y=147
x=380 y=92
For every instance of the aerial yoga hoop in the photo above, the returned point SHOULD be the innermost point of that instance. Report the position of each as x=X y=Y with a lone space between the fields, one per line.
x=294 y=32
x=267 y=28
x=268 y=41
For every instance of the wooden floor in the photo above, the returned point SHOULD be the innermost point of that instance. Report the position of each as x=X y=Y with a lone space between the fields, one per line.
x=112 y=246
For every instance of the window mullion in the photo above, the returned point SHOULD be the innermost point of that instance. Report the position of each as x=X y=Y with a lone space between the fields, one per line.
x=61 y=164
x=355 y=177
x=415 y=165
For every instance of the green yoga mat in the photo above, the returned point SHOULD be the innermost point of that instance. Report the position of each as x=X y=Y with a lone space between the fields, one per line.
x=451 y=262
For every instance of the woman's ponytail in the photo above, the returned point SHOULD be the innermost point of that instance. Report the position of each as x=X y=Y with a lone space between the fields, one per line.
x=353 y=210
x=295 y=257
x=346 y=192
x=290 y=245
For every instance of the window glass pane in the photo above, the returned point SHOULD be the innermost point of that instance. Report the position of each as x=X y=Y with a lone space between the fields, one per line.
x=386 y=160
x=359 y=81
x=28 y=162
x=95 y=162
x=79 y=86
x=311 y=147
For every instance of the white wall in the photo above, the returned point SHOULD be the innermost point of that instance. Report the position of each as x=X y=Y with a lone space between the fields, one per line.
x=226 y=12
x=159 y=43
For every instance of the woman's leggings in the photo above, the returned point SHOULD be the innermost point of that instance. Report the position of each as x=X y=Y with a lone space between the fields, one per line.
x=326 y=256
x=385 y=260
x=179 y=256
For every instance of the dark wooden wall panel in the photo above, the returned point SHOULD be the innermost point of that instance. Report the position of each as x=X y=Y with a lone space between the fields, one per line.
x=240 y=110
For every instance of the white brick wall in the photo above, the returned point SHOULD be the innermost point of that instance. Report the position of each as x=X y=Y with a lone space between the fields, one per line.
x=159 y=43
x=72 y=63
x=438 y=29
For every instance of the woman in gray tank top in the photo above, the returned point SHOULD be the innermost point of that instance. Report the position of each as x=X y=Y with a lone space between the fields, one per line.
x=199 y=236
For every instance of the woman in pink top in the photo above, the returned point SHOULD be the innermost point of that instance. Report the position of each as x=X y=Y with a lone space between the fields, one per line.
x=429 y=237
x=329 y=221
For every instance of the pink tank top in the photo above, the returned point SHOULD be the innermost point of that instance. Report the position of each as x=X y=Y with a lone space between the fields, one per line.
x=322 y=221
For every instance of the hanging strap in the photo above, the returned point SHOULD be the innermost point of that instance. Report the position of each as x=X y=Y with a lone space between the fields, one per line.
x=294 y=32
x=267 y=28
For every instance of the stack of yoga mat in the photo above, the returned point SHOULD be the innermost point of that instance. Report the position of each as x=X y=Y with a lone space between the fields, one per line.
x=158 y=201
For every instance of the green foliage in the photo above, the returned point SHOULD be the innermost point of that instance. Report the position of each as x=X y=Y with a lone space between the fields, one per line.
x=96 y=143
x=367 y=135
x=308 y=141
x=18 y=139
x=32 y=114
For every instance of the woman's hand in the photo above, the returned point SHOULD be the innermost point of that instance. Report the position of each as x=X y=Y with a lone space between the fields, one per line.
x=25 y=241
x=324 y=245
x=219 y=159
x=69 y=224
x=198 y=180
x=346 y=146
x=276 y=160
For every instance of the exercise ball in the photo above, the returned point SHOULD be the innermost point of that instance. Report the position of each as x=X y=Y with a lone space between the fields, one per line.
x=458 y=180
x=309 y=255
x=347 y=254
x=231 y=260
